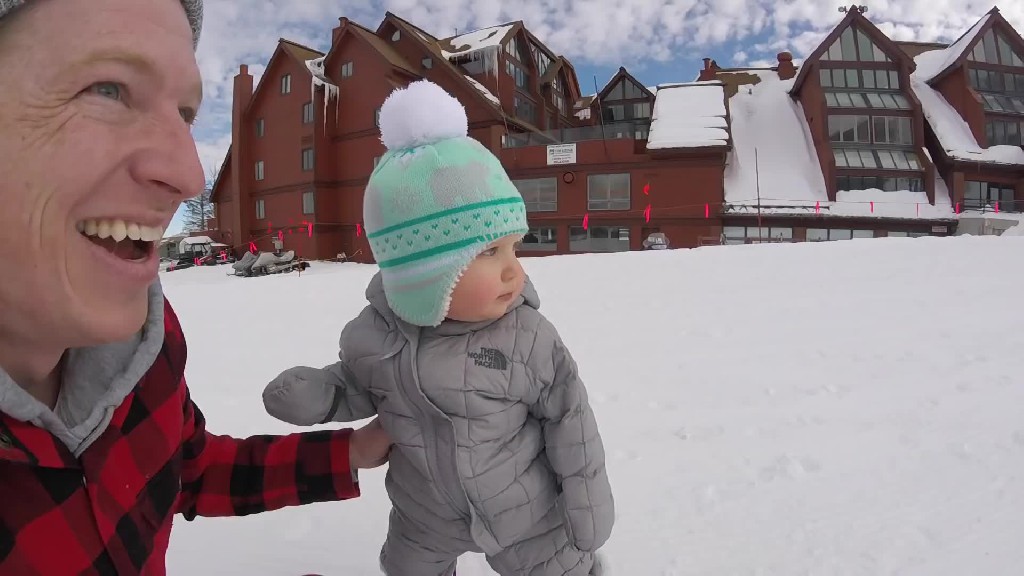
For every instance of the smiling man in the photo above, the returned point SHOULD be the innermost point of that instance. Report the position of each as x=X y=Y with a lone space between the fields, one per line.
x=100 y=443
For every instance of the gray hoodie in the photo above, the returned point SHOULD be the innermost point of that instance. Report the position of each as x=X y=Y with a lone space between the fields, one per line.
x=96 y=381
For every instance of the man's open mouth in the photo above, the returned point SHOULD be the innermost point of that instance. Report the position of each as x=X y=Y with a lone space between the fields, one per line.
x=126 y=240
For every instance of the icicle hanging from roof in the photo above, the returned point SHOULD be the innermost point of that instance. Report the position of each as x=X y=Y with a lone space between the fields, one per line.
x=319 y=78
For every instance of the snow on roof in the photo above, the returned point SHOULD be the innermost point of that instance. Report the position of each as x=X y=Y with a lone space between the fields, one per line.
x=476 y=40
x=954 y=134
x=763 y=116
x=933 y=62
x=197 y=240
x=689 y=115
x=483 y=90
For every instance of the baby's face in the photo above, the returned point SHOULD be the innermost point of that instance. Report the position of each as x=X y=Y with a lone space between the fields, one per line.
x=491 y=283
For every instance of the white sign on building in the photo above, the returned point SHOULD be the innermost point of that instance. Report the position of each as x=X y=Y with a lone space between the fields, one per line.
x=561 y=154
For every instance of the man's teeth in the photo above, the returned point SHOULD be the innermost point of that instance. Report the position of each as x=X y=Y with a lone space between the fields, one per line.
x=119 y=230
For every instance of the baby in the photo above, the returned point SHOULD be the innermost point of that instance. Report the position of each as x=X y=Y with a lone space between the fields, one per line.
x=496 y=449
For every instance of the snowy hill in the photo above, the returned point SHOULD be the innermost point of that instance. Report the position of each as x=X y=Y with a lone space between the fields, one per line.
x=840 y=408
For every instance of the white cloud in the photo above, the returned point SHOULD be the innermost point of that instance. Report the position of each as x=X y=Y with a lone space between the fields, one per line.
x=605 y=33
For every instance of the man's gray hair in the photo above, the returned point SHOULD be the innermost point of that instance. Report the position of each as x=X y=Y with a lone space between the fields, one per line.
x=193 y=9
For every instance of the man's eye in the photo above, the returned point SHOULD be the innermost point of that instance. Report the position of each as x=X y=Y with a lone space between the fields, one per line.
x=107 y=89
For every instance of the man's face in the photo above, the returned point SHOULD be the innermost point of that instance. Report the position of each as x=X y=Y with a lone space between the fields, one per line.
x=96 y=155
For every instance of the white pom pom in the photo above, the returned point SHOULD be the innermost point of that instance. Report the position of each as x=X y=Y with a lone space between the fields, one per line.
x=420 y=114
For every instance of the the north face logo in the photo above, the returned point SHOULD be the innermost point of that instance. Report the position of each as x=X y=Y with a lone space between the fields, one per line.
x=490 y=358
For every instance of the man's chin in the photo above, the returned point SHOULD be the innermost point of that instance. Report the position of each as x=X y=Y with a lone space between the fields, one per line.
x=114 y=322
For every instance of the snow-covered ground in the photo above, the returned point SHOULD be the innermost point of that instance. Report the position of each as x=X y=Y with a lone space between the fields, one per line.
x=845 y=408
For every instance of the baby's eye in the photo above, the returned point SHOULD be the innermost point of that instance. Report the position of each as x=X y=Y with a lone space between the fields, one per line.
x=489 y=252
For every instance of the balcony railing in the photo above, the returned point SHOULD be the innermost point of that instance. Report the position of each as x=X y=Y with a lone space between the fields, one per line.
x=991 y=206
x=616 y=131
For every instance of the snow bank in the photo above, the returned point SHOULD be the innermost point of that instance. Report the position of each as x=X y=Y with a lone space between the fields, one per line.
x=844 y=408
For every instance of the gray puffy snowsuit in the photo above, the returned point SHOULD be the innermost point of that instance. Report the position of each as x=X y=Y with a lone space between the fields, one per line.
x=496 y=449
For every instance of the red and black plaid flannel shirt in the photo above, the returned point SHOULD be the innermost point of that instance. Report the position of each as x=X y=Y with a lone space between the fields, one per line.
x=109 y=512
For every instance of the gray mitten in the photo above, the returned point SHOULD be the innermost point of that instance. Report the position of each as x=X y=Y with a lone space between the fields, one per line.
x=301 y=395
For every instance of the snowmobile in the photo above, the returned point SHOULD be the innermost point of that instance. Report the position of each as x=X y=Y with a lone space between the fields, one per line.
x=268 y=263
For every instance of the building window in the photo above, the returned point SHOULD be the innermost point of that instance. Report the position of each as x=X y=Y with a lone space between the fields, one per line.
x=981 y=195
x=540 y=194
x=825 y=234
x=608 y=192
x=853 y=45
x=261 y=210
x=540 y=240
x=524 y=108
x=376 y=117
x=882 y=100
x=849 y=128
x=994 y=49
x=428 y=63
x=261 y=128
x=286 y=84
x=346 y=70
x=1004 y=132
x=307 y=159
x=854 y=78
x=376 y=160
x=307 y=113
x=599 y=239
x=876 y=159
x=259 y=170
x=754 y=235
x=308 y=202
x=896 y=130
x=396 y=36
x=522 y=78
x=884 y=183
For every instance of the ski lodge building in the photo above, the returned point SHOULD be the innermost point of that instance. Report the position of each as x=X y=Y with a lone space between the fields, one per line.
x=866 y=138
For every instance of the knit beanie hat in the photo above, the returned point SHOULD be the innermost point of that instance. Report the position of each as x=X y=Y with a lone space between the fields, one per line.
x=436 y=199
x=193 y=9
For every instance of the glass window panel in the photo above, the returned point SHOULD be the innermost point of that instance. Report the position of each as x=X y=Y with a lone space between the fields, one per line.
x=894 y=79
x=839 y=77
x=825 y=77
x=840 y=158
x=840 y=234
x=853 y=78
x=831 y=100
x=816 y=234
x=875 y=100
x=863 y=233
x=887 y=161
x=867 y=158
x=869 y=79
x=849 y=45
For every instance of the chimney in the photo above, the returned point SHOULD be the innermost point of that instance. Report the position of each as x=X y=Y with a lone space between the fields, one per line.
x=708 y=73
x=786 y=68
x=237 y=220
x=342 y=22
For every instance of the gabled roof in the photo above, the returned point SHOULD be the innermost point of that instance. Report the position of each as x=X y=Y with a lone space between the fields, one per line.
x=937 y=64
x=484 y=38
x=296 y=51
x=853 y=17
x=433 y=47
x=773 y=165
x=299 y=52
x=378 y=44
x=616 y=78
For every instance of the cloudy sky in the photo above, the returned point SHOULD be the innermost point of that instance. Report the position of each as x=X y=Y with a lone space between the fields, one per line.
x=657 y=40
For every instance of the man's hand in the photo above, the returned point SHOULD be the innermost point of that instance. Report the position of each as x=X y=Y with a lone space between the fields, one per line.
x=369 y=446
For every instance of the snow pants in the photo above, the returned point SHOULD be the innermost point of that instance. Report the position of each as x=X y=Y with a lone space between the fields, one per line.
x=405 y=552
